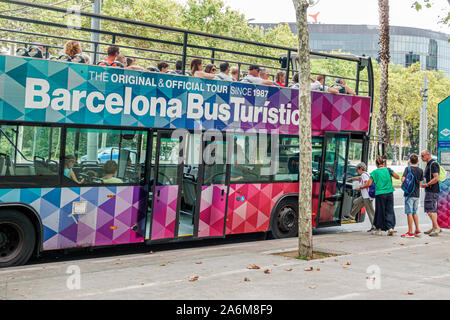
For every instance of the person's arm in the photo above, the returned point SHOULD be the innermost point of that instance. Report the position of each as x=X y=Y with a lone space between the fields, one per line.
x=395 y=175
x=201 y=74
x=268 y=82
x=331 y=90
x=74 y=177
x=358 y=178
x=350 y=91
x=366 y=185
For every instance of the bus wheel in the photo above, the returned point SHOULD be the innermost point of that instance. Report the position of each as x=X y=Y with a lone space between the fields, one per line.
x=17 y=238
x=285 y=219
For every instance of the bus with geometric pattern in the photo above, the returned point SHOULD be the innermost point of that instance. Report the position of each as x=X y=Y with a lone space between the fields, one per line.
x=96 y=156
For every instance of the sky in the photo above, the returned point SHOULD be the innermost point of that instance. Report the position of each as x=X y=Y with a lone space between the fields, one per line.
x=345 y=12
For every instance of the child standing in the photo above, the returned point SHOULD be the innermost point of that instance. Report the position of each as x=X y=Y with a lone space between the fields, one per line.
x=412 y=200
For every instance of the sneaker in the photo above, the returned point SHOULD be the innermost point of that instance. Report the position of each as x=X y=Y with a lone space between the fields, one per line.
x=372 y=229
x=390 y=232
x=434 y=233
x=429 y=231
x=418 y=234
x=407 y=235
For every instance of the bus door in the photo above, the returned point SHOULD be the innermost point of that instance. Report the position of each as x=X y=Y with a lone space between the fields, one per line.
x=332 y=179
x=214 y=190
x=166 y=186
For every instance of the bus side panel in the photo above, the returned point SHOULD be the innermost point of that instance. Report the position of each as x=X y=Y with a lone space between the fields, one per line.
x=114 y=215
x=164 y=212
x=250 y=205
x=212 y=211
x=443 y=213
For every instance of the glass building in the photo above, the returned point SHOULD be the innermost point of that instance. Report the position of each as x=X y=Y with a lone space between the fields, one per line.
x=407 y=45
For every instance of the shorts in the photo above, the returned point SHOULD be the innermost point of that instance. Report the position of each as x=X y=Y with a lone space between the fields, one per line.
x=411 y=205
x=431 y=200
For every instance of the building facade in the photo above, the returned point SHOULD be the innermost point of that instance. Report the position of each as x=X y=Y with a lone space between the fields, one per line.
x=407 y=46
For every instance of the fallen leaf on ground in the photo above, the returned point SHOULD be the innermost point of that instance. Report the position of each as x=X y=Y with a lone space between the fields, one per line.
x=199 y=262
x=267 y=271
x=246 y=279
x=409 y=293
x=386 y=252
x=336 y=260
x=318 y=269
x=345 y=265
x=193 y=278
x=402 y=244
x=162 y=264
x=253 y=266
x=312 y=287
x=413 y=252
x=289 y=269
x=309 y=269
x=151 y=252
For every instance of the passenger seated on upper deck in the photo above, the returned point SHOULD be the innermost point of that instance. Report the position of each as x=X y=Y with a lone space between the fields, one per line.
x=196 y=70
x=254 y=78
x=342 y=88
x=109 y=169
x=122 y=60
x=69 y=162
x=110 y=61
x=130 y=64
x=179 y=67
x=235 y=73
x=72 y=48
x=295 y=84
x=211 y=68
x=163 y=67
x=319 y=85
x=224 y=73
x=280 y=78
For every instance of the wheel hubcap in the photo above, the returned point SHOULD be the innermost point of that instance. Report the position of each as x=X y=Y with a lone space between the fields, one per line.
x=286 y=219
x=10 y=240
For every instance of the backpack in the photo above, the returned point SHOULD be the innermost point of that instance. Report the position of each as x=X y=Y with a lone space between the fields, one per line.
x=372 y=190
x=442 y=172
x=409 y=185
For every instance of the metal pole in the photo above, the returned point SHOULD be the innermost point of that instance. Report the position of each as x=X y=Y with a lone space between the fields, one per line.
x=185 y=40
x=394 y=160
x=95 y=24
x=423 y=136
x=288 y=67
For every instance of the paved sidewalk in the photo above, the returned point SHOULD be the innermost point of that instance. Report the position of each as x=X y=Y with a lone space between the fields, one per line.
x=404 y=269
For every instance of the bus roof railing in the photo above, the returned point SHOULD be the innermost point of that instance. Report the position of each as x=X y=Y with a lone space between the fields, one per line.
x=288 y=52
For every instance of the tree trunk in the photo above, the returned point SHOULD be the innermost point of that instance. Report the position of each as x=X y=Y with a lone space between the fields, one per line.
x=383 y=9
x=305 y=248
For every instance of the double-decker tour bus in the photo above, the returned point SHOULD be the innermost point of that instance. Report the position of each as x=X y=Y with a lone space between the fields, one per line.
x=102 y=155
x=443 y=155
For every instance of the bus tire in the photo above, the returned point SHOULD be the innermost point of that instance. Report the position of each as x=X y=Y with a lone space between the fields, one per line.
x=17 y=238
x=285 y=219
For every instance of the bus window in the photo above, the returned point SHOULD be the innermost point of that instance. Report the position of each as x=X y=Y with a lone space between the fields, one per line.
x=250 y=159
x=29 y=151
x=288 y=159
x=102 y=156
x=355 y=153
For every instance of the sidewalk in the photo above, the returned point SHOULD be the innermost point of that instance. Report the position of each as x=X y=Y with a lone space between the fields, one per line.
x=405 y=269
